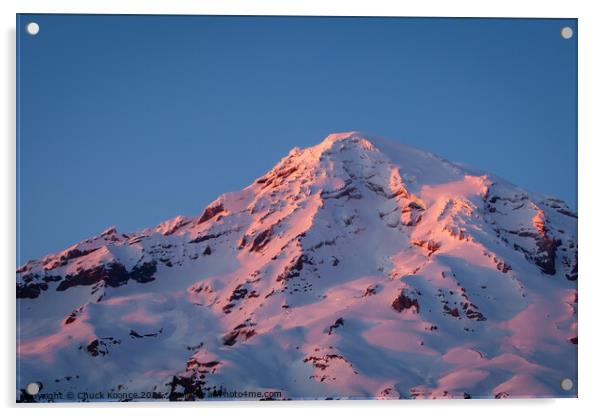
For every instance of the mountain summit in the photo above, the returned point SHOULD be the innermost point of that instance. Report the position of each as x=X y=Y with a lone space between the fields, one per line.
x=356 y=268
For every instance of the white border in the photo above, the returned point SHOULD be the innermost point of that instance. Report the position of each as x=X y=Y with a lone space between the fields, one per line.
x=590 y=135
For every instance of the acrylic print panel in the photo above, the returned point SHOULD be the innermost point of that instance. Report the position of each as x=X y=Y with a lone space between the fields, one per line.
x=272 y=208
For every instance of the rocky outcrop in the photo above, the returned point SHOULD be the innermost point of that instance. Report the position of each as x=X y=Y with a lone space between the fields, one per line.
x=241 y=332
x=30 y=290
x=403 y=302
x=113 y=275
x=294 y=268
x=210 y=212
x=537 y=241
x=339 y=322
x=101 y=346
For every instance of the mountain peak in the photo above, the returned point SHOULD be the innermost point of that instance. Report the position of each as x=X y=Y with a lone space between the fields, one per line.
x=350 y=137
x=333 y=143
x=346 y=135
x=112 y=230
x=346 y=256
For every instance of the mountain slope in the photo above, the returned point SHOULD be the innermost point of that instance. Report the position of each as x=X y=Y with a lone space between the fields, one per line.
x=354 y=268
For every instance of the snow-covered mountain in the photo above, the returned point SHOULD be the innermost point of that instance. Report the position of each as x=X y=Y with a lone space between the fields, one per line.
x=356 y=268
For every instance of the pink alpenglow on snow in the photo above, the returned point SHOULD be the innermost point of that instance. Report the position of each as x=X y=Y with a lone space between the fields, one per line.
x=356 y=268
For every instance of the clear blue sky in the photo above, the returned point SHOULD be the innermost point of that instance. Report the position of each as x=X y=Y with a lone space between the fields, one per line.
x=131 y=120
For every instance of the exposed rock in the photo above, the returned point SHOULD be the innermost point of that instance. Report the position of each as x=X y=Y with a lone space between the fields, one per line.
x=403 y=302
x=431 y=246
x=339 y=322
x=241 y=332
x=135 y=334
x=294 y=268
x=371 y=290
x=261 y=240
x=184 y=388
x=474 y=315
x=453 y=312
x=411 y=214
x=205 y=237
x=66 y=256
x=238 y=293
x=210 y=212
x=501 y=265
x=322 y=362
x=572 y=275
x=100 y=346
x=30 y=290
x=348 y=192
x=73 y=315
x=113 y=274
x=546 y=256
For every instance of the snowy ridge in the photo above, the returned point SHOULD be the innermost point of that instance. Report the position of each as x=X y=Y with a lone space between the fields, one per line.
x=356 y=268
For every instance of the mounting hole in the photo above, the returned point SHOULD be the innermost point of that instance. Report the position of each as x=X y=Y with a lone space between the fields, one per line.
x=32 y=28
x=566 y=32
x=566 y=384
x=32 y=389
